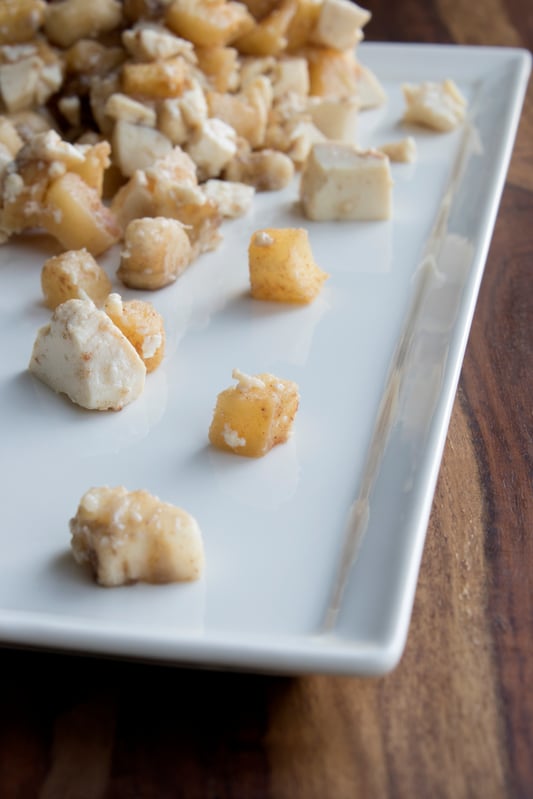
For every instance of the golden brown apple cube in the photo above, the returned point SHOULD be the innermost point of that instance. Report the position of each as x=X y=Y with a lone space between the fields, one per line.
x=282 y=267
x=332 y=72
x=71 y=275
x=302 y=23
x=220 y=65
x=142 y=325
x=95 y=162
x=253 y=416
x=158 y=79
x=74 y=214
x=207 y=23
x=269 y=37
x=20 y=20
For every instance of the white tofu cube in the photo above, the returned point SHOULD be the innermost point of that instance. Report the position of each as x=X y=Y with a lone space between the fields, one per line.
x=341 y=182
x=232 y=198
x=82 y=354
x=439 y=106
x=129 y=536
x=402 y=151
x=211 y=147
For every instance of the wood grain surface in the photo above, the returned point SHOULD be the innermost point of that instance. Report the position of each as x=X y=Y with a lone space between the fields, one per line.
x=455 y=719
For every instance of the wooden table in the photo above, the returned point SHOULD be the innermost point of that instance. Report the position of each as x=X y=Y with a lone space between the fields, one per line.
x=455 y=719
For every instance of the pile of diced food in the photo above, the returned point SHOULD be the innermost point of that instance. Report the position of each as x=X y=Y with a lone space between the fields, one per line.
x=146 y=123
x=113 y=111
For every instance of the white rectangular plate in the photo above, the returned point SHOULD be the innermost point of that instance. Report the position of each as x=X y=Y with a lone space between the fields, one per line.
x=312 y=551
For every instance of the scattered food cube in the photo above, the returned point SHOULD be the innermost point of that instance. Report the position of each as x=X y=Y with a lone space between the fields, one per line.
x=282 y=267
x=339 y=24
x=255 y=415
x=142 y=325
x=73 y=274
x=341 y=182
x=83 y=354
x=232 y=199
x=402 y=151
x=439 y=106
x=156 y=251
x=129 y=536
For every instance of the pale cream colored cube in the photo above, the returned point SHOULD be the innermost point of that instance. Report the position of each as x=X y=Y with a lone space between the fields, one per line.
x=439 y=106
x=211 y=147
x=83 y=354
x=73 y=274
x=265 y=170
x=232 y=199
x=402 y=151
x=130 y=536
x=156 y=251
x=137 y=146
x=341 y=182
x=339 y=24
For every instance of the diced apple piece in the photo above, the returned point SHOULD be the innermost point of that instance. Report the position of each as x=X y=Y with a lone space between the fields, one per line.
x=208 y=23
x=72 y=275
x=76 y=217
x=255 y=415
x=269 y=36
x=282 y=267
x=142 y=325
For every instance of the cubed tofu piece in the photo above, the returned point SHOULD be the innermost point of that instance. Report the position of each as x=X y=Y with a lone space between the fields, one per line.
x=211 y=147
x=341 y=182
x=151 y=42
x=232 y=199
x=439 y=106
x=137 y=146
x=253 y=416
x=121 y=107
x=402 y=151
x=83 y=354
x=282 y=267
x=131 y=536
x=208 y=23
x=76 y=217
x=73 y=274
x=156 y=251
x=142 y=325
x=339 y=24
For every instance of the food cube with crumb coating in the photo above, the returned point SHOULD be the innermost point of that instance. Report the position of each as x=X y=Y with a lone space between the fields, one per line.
x=282 y=267
x=253 y=416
